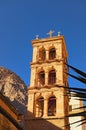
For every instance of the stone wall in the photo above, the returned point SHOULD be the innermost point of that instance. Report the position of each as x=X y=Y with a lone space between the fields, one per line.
x=5 y=124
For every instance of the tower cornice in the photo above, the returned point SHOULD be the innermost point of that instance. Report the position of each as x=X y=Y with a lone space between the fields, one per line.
x=47 y=39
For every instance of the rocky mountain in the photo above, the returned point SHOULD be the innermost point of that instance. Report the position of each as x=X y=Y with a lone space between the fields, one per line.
x=14 y=88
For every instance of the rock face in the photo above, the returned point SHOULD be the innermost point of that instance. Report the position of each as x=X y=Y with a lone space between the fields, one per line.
x=14 y=89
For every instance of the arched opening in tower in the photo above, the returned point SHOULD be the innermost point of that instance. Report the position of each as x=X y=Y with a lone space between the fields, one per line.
x=52 y=77
x=40 y=107
x=52 y=106
x=42 y=78
x=42 y=54
x=52 y=54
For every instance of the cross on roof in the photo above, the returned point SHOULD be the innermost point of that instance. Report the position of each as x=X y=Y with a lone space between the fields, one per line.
x=59 y=33
x=37 y=37
x=50 y=33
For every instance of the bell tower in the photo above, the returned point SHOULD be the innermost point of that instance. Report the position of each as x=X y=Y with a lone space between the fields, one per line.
x=46 y=101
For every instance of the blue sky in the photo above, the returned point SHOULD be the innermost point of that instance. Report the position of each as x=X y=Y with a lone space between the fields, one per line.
x=21 y=20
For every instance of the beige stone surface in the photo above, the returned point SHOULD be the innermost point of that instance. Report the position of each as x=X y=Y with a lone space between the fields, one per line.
x=5 y=124
x=39 y=118
x=75 y=103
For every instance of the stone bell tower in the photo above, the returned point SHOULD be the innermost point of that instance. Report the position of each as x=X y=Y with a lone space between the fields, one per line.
x=47 y=103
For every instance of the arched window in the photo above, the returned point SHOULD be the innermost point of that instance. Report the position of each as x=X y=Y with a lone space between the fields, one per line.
x=42 y=78
x=52 y=53
x=52 y=106
x=52 y=77
x=40 y=107
x=42 y=54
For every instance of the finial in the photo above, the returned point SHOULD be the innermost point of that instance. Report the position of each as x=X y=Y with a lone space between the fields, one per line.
x=59 y=33
x=37 y=37
x=50 y=33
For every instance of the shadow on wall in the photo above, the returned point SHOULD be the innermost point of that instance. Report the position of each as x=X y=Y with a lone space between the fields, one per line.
x=33 y=123
x=22 y=109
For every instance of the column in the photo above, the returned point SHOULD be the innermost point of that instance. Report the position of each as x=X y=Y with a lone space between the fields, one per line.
x=45 y=107
x=56 y=53
x=47 y=54
x=37 y=110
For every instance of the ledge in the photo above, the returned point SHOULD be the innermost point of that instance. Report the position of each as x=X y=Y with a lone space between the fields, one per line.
x=46 y=61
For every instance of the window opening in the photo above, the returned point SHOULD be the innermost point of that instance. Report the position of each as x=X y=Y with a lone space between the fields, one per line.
x=52 y=106
x=40 y=106
x=42 y=78
x=52 y=77
x=42 y=54
x=52 y=54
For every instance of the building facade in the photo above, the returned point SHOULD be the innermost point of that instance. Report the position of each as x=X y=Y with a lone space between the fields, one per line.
x=76 y=121
x=47 y=103
x=9 y=116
